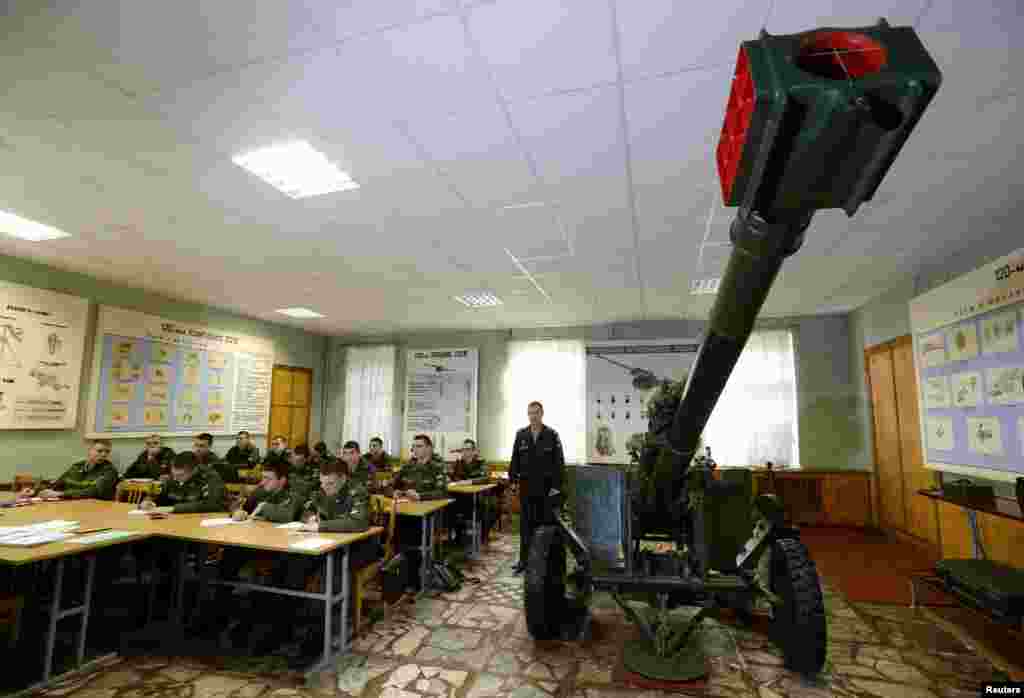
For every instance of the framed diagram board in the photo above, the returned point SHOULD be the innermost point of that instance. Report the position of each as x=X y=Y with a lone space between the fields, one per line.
x=152 y=375
x=616 y=410
x=441 y=397
x=969 y=358
x=42 y=339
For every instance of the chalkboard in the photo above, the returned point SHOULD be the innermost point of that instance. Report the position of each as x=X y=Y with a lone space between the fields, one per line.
x=596 y=502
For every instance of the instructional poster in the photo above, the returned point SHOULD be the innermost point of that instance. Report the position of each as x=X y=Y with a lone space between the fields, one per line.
x=42 y=338
x=969 y=357
x=441 y=396
x=615 y=409
x=158 y=376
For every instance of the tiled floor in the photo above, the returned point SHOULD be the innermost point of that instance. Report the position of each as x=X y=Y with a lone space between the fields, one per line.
x=474 y=644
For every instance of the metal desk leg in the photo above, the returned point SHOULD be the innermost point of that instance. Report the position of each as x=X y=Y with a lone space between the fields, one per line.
x=328 y=597
x=51 y=634
x=90 y=575
x=474 y=548
x=424 y=553
x=972 y=521
x=344 y=599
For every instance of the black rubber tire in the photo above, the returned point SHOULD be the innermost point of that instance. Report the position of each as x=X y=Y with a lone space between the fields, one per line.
x=799 y=627
x=544 y=586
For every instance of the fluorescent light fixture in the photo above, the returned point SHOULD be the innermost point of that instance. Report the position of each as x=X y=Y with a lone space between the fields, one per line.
x=479 y=299
x=704 y=287
x=303 y=313
x=296 y=168
x=24 y=229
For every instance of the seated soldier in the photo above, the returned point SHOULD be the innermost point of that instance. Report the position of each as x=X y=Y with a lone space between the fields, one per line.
x=319 y=455
x=202 y=450
x=191 y=490
x=92 y=478
x=471 y=467
x=357 y=468
x=154 y=463
x=274 y=500
x=303 y=474
x=244 y=453
x=377 y=459
x=425 y=476
x=278 y=449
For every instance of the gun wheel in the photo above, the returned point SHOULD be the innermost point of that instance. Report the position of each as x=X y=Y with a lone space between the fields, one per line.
x=798 y=625
x=544 y=587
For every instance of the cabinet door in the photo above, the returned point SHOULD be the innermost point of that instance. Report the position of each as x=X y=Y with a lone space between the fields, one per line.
x=892 y=512
x=920 y=511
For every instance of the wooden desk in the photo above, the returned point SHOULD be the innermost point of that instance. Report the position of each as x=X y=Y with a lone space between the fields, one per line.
x=473 y=491
x=187 y=528
x=427 y=512
x=1000 y=507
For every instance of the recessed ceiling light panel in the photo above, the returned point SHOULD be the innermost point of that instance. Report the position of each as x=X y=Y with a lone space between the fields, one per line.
x=704 y=287
x=302 y=313
x=22 y=228
x=296 y=169
x=479 y=299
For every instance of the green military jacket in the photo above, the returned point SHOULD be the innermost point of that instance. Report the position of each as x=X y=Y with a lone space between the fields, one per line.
x=305 y=476
x=85 y=481
x=144 y=467
x=347 y=511
x=474 y=471
x=201 y=493
x=281 y=506
x=430 y=480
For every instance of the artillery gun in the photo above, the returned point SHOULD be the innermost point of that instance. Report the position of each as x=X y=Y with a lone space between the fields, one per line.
x=814 y=121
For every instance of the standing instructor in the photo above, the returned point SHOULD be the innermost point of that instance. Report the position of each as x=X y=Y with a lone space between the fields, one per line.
x=538 y=465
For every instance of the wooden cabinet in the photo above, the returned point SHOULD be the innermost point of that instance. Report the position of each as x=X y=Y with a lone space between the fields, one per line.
x=820 y=497
x=899 y=463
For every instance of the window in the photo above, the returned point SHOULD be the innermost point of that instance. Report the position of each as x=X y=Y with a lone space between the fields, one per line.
x=552 y=372
x=370 y=396
x=755 y=419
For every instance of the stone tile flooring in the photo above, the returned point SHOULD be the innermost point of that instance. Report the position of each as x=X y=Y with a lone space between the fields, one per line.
x=474 y=644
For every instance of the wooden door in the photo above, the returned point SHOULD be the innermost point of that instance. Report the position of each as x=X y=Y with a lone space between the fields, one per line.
x=291 y=394
x=889 y=471
x=920 y=511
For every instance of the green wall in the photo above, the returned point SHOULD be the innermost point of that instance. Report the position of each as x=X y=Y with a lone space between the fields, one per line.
x=830 y=435
x=48 y=452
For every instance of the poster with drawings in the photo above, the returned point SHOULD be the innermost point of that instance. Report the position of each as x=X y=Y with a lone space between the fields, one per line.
x=999 y=333
x=972 y=404
x=42 y=340
x=615 y=408
x=967 y=389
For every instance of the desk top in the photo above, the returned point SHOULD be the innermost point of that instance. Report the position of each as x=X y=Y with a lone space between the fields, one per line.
x=471 y=489
x=1002 y=506
x=91 y=513
x=422 y=508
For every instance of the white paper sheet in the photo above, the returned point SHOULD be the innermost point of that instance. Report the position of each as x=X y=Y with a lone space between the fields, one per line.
x=139 y=512
x=101 y=536
x=293 y=526
x=207 y=523
x=311 y=544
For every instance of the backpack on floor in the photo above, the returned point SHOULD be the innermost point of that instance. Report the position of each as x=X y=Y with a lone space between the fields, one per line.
x=445 y=577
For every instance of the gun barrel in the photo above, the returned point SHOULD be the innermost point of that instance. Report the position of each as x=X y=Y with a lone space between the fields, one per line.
x=760 y=244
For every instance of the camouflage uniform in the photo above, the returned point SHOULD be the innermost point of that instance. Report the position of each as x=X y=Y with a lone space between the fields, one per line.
x=85 y=481
x=363 y=473
x=237 y=457
x=430 y=480
x=346 y=512
x=463 y=507
x=152 y=469
x=279 y=506
x=473 y=471
x=201 y=493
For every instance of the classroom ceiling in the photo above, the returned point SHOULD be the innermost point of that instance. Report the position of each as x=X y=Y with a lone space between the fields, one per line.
x=558 y=153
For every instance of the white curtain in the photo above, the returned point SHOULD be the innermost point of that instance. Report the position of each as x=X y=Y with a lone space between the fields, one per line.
x=553 y=372
x=370 y=396
x=756 y=417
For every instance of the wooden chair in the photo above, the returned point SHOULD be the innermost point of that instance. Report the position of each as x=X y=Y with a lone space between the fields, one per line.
x=10 y=617
x=23 y=480
x=383 y=513
x=135 y=492
x=251 y=475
